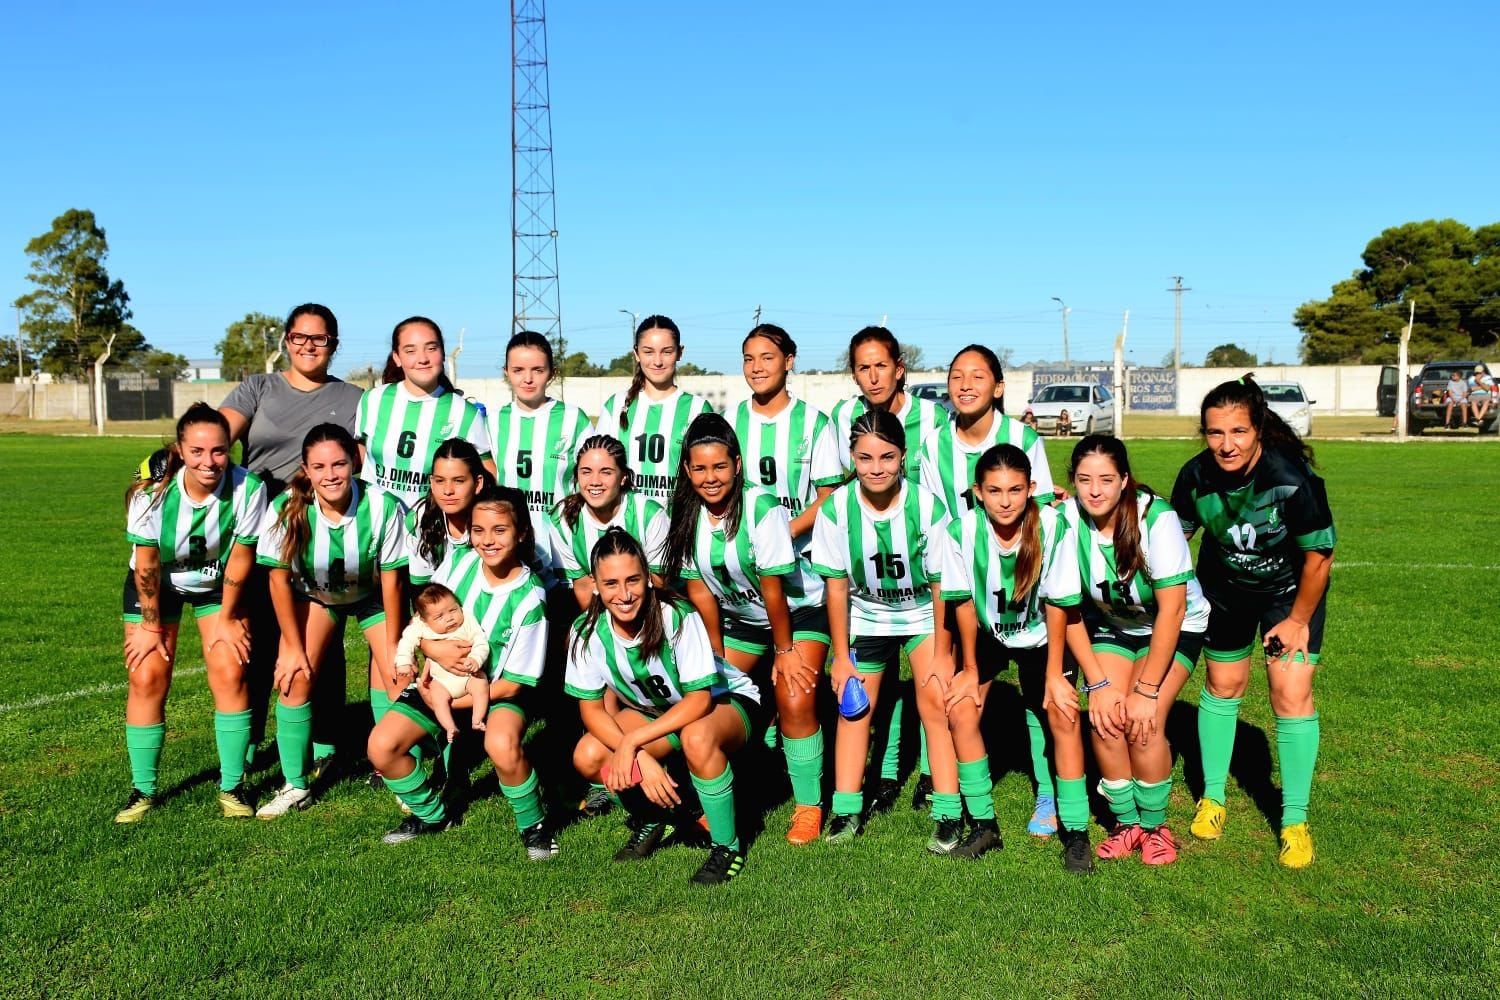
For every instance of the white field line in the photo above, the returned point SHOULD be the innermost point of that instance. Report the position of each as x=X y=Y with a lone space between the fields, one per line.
x=108 y=687
x=1358 y=564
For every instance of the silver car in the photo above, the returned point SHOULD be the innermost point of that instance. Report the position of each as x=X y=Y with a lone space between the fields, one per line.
x=1288 y=400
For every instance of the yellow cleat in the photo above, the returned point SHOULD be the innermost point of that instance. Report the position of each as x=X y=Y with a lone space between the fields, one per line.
x=1209 y=823
x=1297 y=846
x=136 y=807
x=234 y=804
x=807 y=823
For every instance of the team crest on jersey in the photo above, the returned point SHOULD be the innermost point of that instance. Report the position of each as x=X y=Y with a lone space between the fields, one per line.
x=445 y=432
x=1273 y=517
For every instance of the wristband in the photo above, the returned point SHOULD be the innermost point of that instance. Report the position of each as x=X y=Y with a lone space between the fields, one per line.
x=1091 y=688
x=789 y=649
x=1143 y=694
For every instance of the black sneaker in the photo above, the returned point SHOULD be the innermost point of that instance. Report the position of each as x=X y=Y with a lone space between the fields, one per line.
x=411 y=828
x=596 y=803
x=376 y=781
x=920 y=794
x=884 y=799
x=540 y=845
x=644 y=842
x=723 y=864
x=983 y=838
x=1076 y=854
x=946 y=837
x=842 y=829
x=323 y=769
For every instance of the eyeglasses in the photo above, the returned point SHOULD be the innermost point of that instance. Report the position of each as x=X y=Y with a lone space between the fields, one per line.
x=315 y=339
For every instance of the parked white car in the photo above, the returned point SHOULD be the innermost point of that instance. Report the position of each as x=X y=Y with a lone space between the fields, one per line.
x=1089 y=406
x=1289 y=402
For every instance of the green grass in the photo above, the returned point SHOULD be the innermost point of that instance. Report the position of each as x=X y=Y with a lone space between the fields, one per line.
x=1402 y=900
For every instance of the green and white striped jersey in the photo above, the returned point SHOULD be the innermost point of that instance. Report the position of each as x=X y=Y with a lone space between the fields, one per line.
x=977 y=567
x=422 y=568
x=891 y=558
x=919 y=417
x=343 y=559
x=948 y=463
x=195 y=538
x=401 y=432
x=644 y=520
x=732 y=567
x=605 y=659
x=513 y=615
x=1131 y=608
x=652 y=436
x=535 y=452
x=791 y=454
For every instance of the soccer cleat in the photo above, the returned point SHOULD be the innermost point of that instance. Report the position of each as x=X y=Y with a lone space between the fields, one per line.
x=1076 y=855
x=596 y=803
x=920 y=794
x=376 y=781
x=411 y=828
x=1043 y=821
x=290 y=797
x=137 y=806
x=235 y=804
x=807 y=823
x=984 y=836
x=1208 y=824
x=1297 y=846
x=842 y=829
x=884 y=797
x=1158 y=847
x=1122 y=842
x=723 y=864
x=321 y=770
x=642 y=843
x=540 y=844
x=946 y=836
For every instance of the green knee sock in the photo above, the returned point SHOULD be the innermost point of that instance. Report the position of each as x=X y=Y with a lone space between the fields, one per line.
x=772 y=732
x=1040 y=769
x=804 y=764
x=946 y=805
x=420 y=797
x=380 y=703
x=717 y=796
x=143 y=745
x=1297 y=746
x=1151 y=800
x=1120 y=793
x=977 y=787
x=232 y=734
x=525 y=801
x=1217 y=720
x=321 y=750
x=1072 y=804
x=922 y=764
x=890 y=759
x=294 y=741
x=848 y=803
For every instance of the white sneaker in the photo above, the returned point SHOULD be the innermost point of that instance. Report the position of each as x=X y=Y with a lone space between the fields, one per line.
x=290 y=797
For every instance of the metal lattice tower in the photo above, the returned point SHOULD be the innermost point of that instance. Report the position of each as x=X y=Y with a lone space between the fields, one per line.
x=533 y=211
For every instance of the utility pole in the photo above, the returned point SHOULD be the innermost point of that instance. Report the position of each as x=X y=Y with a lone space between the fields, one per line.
x=1403 y=388
x=1177 y=291
x=756 y=321
x=99 y=384
x=635 y=319
x=1121 y=389
x=1065 y=311
x=20 y=357
x=272 y=358
x=453 y=358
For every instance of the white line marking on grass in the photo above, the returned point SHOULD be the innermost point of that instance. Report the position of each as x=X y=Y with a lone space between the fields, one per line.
x=1357 y=564
x=106 y=688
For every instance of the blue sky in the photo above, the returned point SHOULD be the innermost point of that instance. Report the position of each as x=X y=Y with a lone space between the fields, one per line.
x=831 y=163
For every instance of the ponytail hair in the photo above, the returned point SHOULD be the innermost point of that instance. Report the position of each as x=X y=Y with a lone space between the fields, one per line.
x=881 y=423
x=393 y=372
x=879 y=335
x=653 y=636
x=992 y=362
x=572 y=504
x=432 y=526
x=776 y=335
x=1029 y=560
x=1275 y=433
x=638 y=380
x=706 y=428
x=1130 y=556
x=511 y=500
x=293 y=521
x=198 y=413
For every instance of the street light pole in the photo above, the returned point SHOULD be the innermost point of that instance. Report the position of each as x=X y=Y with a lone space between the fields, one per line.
x=1065 y=311
x=635 y=319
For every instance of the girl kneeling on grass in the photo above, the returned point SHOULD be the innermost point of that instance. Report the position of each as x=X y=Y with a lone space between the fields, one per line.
x=334 y=547
x=1266 y=554
x=505 y=599
x=1145 y=616
x=878 y=544
x=651 y=649
x=194 y=535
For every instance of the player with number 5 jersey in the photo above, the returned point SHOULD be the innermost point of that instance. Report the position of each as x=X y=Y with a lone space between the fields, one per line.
x=401 y=424
x=879 y=372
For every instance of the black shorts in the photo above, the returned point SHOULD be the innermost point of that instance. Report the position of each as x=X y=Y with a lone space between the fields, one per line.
x=1234 y=620
x=875 y=654
x=368 y=610
x=411 y=704
x=169 y=603
x=1104 y=638
x=809 y=624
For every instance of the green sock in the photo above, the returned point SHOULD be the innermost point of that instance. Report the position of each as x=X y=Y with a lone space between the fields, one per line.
x=1072 y=803
x=321 y=750
x=947 y=805
x=804 y=764
x=525 y=801
x=1120 y=793
x=1151 y=799
x=770 y=737
x=380 y=703
x=1297 y=746
x=890 y=758
x=232 y=734
x=420 y=797
x=1217 y=720
x=848 y=803
x=1040 y=769
x=922 y=752
x=143 y=745
x=717 y=796
x=977 y=787
x=294 y=741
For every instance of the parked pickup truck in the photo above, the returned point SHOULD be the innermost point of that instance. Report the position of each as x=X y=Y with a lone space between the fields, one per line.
x=1428 y=403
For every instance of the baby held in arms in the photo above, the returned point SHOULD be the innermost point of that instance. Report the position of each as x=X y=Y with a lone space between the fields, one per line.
x=440 y=617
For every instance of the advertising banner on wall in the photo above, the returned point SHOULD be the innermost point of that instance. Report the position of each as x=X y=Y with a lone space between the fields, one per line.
x=1150 y=388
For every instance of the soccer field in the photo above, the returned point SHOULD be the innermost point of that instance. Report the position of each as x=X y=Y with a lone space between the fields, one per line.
x=1401 y=902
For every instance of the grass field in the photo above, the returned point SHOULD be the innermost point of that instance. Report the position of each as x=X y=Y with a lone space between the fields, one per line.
x=1402 y=900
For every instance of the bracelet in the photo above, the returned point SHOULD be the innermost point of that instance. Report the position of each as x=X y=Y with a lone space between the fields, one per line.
x=1143 y=694
x=789 y=649
x=145 y=629
x=1091 y=688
